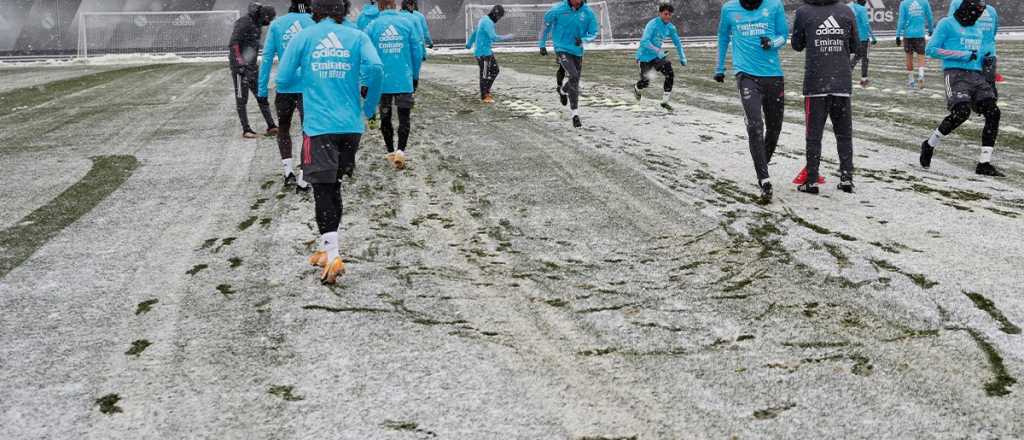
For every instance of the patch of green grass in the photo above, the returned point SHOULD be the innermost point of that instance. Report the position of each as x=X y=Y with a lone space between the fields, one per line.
x=20 y=241
x=145 y=306
x=108 y=404
x=138 y=346
x=57 y=90
x=285 y=392
x=986 y=305
x=245 y=224
x=234 y=262
x=197 y=268
x=919 y=279
x=225 y=289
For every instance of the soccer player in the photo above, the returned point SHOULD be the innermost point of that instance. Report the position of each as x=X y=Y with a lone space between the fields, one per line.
x=483 y=37
x=412 y=7
x=286 y=101
x=827 y=30
x=651 y=58
x=569 y=23
x=958 y=42
x=866 y=36
x=397 y=42
x=989 y=25
x=369 y=13
x=327 y=61
x=407 y=11
x=915 y=17
x=756 y=29
x=243 y=49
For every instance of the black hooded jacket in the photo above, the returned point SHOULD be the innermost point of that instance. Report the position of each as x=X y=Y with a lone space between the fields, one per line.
x=827 y=30
x=496 y=13
x=245 y=38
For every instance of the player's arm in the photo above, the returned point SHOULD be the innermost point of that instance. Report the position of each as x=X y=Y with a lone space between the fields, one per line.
x=291 y=61
x=781 y=28
x=371 y=73
x=679 y=45
x=592 y=27
x=901 y=23
x=935 y=49
x=647 y=40
x=235 y=44
x=426 y=31
x=269 y=51
x=854 y=36
x=545 y=31
x=472 y=38
x=929 y=20
x=799 y=40
x=724 y=36
x=416 y=49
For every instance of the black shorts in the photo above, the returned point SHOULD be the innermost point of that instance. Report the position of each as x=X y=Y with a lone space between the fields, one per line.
x=402 y=100
x=914 y=45
x=326 y=157
x=967 y=86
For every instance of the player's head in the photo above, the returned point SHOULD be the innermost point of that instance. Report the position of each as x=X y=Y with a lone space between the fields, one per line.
x=496 y=13
x=750 y=5
x=409 y=5
x=969 y=12
x=665 y=11
x=262 y=14
x=862 y=2
x=386 y=4
x=299 y=6
x=333 y=9
x=576 y=4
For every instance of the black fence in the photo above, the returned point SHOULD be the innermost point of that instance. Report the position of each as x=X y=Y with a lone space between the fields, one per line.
x=50 y=27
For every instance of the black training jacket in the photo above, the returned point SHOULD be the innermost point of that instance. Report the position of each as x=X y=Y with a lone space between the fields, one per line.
x=827 y=30
x=245 y=41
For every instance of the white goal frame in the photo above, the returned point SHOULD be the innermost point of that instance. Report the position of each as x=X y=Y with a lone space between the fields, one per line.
x=83 y=29
x=604 y=20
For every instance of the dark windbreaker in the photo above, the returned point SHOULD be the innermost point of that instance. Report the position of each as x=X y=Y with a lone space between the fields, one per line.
x=827 y=30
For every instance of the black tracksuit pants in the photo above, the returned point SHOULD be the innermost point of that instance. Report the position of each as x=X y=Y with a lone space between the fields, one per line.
x=404 y=102
x=861 y=55
x=488 y=73
x=818 y=110
x=763 y=100
x=245 y=83
x=569 y=66
x=286 y=104
x=661 y=65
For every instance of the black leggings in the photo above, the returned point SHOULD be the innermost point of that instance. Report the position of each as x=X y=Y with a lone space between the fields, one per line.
x=818 y=110
x=488 y=73
x=661 y=65
x=763 y=100
x=962 y=111
x=286 y=104
x=328 y=206
x=862 y=56
x=571 y=66
x=404 y=104
x=245 y=84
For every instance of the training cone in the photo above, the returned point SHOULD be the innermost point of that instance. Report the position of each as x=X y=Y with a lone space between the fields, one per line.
x=801 y=178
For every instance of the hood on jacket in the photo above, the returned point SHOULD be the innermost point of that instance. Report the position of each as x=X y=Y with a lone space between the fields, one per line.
x=410 y=5
x=862 y=2
x=371 y=9
x=751 y=5
x=496 y=13
x=569 y=3
x=821 y=2
x=261 y=14
x=969 y=12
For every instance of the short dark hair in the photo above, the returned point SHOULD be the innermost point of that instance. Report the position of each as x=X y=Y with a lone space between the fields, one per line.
x=666 y=7
x=333 y=9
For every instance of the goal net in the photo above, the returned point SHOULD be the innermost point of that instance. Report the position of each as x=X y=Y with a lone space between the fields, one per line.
x=527 y=20
x=178 y=32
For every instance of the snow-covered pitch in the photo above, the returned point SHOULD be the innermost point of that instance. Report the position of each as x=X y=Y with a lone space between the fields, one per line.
x=519 y=280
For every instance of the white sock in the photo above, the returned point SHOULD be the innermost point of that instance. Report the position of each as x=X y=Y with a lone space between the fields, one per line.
x=935 y=139
x=299 y=181
x=330 y=244
x=986 y=155
x=920 y=72
x=666 y=97
x=287 y=166
x=910 y=75
x=575 y=112
x=764 y=181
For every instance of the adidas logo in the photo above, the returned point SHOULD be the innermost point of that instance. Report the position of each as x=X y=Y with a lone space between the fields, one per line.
x=293 y=30
x=830 y=27
x=916 y=9
x=436 y=14
x=390 y=34
x=330 y=46
x=878 y=13
x=184 y=20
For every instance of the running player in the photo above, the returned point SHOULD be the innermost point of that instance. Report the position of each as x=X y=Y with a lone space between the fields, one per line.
x=957 y=43
x=569 y=23
x=866 y=35
x=651 y=58
x=484 y=36
x=756 y=29
x=915 y=17
x=286 y=101
x=828 y=31
x=242 y=53
x=397 y=41
x=328 y=61
x=412 y=7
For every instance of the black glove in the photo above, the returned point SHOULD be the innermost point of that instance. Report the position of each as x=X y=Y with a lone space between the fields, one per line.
x=579 y=41
x=766 y=43
x=363 y=91
x=974 y=55
x=544 y=51
x=899 y=41
x=720 y=77
x=430 y=46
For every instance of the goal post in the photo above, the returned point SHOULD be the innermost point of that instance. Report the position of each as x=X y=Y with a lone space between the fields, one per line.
x=527 y=20
x=178 y=32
